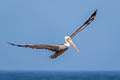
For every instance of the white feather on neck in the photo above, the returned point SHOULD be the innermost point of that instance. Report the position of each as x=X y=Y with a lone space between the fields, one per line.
x=67 y=44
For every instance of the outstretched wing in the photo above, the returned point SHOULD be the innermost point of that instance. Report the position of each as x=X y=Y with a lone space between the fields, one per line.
x=58 y=53
x=49 y=47
x=85 y=24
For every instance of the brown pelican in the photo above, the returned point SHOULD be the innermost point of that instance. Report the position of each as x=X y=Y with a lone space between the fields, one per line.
x=60 y=48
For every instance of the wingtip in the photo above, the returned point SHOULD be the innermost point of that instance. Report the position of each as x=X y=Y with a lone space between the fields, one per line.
x=11 y=43
x=95 y=12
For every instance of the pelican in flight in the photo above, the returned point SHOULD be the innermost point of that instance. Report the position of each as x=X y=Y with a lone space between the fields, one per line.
x=61 y=48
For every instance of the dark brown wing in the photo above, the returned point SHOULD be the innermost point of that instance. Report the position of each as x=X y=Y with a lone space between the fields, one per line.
x=85 y=24
x=58 y=53
x=49 y=47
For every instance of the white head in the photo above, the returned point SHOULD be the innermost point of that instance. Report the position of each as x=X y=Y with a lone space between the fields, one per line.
x=66 y=42
x=69 y=41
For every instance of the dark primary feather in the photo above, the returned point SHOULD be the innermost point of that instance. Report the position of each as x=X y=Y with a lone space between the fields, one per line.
x=85 y=24
x=49 y=47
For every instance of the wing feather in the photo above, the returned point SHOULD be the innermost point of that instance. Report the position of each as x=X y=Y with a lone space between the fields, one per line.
x=85 y=24
x=49 y=47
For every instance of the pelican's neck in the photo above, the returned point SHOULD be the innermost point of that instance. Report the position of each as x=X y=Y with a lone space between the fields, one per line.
x=67 y=44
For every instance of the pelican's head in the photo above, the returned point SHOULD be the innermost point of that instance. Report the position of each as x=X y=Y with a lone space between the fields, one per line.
x=69 y=41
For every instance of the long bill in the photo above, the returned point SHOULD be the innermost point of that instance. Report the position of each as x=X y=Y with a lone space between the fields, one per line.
x=71 y=42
